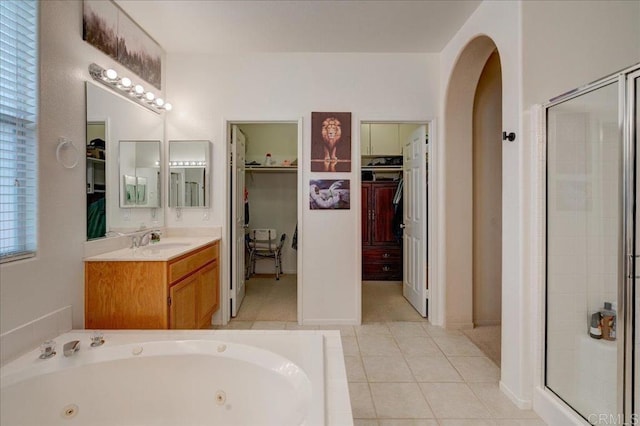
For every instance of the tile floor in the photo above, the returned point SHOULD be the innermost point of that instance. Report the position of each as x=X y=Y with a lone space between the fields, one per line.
x=400 y=372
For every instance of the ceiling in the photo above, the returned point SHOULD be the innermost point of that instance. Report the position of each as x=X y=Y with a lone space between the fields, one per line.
x=210 y=27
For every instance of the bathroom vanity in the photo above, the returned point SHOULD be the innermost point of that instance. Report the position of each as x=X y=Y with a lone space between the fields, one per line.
x=170 y=285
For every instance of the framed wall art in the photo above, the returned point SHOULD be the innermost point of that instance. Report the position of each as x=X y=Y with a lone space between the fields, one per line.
x=329 y=194
x=330 y=141
x=109 y=29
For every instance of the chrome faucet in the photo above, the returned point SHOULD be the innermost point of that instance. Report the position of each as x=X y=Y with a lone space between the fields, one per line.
x=149 y=236
x=71 y=347
x=145 y=238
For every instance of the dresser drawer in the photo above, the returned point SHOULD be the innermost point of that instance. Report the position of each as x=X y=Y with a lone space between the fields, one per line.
x=390 y=254
x=382 y=271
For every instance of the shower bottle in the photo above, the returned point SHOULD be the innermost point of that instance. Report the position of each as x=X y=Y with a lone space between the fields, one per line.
x=608 y=322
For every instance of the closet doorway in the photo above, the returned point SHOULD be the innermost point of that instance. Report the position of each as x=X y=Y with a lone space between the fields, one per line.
x=264 y=196
x=394 y=159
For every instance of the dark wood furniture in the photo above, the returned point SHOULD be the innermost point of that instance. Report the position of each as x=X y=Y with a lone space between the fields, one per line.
x=381 y=248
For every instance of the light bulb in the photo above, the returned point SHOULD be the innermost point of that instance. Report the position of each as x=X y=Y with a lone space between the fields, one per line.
x=159 y=102
x=149 y=96
x=125 y=82
x=168 y=106
x=139 y=90
x=111 y=74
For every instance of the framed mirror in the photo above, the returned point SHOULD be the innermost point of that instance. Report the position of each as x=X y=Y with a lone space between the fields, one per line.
x=189 y=172
x=139 y=174
x=112 y=118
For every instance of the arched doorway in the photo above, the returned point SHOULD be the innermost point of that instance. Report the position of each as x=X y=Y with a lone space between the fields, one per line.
x=473 y=190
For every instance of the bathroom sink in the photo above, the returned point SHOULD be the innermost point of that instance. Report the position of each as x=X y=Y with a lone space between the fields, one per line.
x=160 y=248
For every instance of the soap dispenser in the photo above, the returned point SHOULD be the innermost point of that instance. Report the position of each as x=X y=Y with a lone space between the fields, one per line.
x=608 y=322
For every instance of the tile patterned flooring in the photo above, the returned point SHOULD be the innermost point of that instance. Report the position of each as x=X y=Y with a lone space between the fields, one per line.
x=400 y=372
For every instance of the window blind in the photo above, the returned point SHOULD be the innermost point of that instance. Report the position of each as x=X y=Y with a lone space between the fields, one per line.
x=18 y=118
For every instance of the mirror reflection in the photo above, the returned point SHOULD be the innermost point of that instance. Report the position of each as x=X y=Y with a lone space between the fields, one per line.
x=96 y=183
x=188 y=173
x=112 y=118
x=140 y=174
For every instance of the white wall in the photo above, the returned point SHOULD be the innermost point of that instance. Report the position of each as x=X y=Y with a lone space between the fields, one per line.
x=207 y=90
x=500 y=21
x=54 y=278
x=487 y=195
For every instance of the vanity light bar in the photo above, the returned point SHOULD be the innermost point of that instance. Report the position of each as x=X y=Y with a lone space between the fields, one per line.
x=124 y=86
x=187 y=163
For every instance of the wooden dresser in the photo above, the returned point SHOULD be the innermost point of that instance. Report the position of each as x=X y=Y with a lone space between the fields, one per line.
x=381 y=249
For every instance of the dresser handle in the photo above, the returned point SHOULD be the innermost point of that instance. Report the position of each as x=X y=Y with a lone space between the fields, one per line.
x=386 y=268
x=386 y=255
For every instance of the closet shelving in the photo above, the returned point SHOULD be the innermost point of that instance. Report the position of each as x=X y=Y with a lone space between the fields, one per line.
x=271 y=169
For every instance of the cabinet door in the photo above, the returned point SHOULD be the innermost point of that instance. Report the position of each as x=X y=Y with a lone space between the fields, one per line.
x=383 y=213
x=365 y=139
x=207 y=296
x=385 y=140
x=183 y=303
x=366 y=212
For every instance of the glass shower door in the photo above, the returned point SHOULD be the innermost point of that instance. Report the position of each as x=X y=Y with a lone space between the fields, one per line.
x=584 y=251
x=634 y=136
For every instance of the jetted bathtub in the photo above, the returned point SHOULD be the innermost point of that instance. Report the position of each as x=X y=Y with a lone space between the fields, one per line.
x=170 y=378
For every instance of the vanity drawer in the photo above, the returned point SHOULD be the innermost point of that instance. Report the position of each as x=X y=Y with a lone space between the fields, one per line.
x=190 y=263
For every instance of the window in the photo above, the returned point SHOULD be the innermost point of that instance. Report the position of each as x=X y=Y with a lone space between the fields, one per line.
x=18 y=145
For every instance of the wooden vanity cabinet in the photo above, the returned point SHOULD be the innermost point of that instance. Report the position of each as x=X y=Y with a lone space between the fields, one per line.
x=181 y=293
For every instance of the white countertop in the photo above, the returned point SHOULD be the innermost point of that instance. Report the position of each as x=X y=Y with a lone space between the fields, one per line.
x=167 y=249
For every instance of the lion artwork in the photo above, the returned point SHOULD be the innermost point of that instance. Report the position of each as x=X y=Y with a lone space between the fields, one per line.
x=331 y=133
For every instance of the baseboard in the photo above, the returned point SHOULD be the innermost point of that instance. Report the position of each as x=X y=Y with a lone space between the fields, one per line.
x=523 y=404
x=330 y=322
x=459 y=326
x=554 y=411
x=487 y=323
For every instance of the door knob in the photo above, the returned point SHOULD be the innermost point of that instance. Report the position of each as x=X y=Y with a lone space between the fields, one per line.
x=402 y=226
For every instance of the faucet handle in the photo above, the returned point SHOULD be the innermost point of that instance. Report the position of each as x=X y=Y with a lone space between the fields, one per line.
x=47 y=349
x=97 y=338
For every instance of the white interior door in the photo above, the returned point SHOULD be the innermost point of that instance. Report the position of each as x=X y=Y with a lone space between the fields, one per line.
x=237 y=217
x=414 y=286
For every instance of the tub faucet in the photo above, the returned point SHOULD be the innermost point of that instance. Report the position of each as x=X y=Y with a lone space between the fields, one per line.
x=71 y=347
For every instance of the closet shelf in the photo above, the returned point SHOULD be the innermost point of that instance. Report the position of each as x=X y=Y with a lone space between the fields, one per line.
x=381 y=168
x=271 y=168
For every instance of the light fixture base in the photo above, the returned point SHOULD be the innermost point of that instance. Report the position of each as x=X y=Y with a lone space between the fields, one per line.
x=98 y=74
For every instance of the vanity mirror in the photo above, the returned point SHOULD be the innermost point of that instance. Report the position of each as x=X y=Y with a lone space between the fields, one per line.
x=189 y=173
x=112 y=118
x=139 y=174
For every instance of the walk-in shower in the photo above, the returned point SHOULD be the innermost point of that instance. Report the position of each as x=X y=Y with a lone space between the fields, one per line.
x=591 y=341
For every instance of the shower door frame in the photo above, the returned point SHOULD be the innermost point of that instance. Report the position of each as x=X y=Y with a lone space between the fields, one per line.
x=632 y=251
x=625 y=323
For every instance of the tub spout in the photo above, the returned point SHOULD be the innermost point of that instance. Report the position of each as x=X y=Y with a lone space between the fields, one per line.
x=71 y=347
